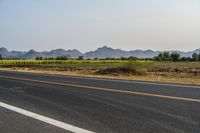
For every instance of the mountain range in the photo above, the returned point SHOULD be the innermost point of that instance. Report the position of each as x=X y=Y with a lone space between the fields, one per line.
x=101 y=53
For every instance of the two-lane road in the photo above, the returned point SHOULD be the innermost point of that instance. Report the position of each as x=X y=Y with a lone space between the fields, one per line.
x=41 y=103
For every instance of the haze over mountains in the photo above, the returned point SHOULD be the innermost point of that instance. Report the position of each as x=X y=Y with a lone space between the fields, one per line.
x=102 y=52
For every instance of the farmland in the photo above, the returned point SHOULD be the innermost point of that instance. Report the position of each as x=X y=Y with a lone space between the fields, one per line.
x=97 y=64
x=61 y=63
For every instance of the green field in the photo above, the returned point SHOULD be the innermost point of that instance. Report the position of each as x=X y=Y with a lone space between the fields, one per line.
x=150 y=66
x=61 y=63
x=106 y=63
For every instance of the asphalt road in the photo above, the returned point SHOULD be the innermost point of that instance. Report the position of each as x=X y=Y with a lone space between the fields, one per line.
x=97 y=105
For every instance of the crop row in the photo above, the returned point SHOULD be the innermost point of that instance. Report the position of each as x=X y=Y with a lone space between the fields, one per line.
x=59 y=62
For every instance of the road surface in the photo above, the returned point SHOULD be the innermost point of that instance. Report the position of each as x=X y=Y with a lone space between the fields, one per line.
x=39 y=103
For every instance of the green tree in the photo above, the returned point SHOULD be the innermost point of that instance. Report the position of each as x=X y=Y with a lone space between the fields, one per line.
x=163 y=56
x=38 y=58
x=185 y=59
x=132 y=58
x=159 y=57
x=80 y=58
x=1 y=58
x=175 y=56
x=199 y=56
x=195 y=57
x=62 y=58
x=166 y=56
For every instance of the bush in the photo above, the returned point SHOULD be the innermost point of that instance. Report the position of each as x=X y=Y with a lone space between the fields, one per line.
x=135 y=67
x=129 y=68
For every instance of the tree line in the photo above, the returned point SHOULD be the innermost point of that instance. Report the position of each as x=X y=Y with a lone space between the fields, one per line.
x=174 y=56
x=162 y=56
x=58 y=58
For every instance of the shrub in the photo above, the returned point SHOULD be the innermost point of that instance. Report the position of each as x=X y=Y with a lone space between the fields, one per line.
x=135 y=67
x=129 y=68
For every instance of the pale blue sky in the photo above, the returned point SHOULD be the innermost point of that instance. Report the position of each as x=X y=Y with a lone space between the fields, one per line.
x=88 y=24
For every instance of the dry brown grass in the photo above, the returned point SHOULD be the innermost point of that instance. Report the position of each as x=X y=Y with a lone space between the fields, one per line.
x=182 y=78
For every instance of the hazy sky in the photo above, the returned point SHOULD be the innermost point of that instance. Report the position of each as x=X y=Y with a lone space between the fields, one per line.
x=88 y=24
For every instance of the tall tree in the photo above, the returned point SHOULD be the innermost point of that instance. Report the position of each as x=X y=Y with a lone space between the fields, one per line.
x=175 y=56
x=80 y=58
x=166 y=56
x=195 y=57
x=199 y=56
x=1 y=58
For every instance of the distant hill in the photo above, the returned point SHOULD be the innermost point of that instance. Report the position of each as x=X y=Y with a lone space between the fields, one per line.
x=4 y=52
x=107 y=52
x=189 y=53
x=101 y=53
x=61 y=52
x=32 y=54
x=17 y=53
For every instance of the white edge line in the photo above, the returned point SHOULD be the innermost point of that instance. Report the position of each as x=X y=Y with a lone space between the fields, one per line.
x=45 y=119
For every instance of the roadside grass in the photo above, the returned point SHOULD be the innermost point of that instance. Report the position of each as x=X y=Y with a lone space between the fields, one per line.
x=175 y=72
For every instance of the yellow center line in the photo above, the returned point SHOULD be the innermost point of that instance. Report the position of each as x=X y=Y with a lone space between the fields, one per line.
x=106 y=89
